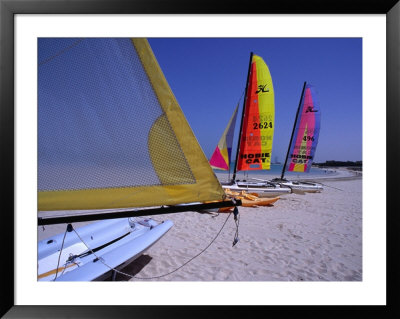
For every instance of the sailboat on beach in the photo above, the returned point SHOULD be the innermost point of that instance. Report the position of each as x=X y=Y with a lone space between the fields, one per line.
x=254 y=145
x=303 y=142
x=113 y=147
x=221 y=157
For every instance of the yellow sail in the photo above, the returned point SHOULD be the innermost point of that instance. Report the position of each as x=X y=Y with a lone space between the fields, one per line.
x=111 y=133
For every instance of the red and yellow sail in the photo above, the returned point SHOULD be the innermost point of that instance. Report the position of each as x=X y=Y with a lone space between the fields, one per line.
x=258 y=121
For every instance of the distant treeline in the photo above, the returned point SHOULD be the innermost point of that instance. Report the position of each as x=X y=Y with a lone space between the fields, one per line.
x=339 y=163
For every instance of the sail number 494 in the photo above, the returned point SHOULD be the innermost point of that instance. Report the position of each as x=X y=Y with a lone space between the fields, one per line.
x=260 y=126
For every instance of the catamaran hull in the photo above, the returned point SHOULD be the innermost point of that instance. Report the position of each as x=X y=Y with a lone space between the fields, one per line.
x=303 y=187
x=261 y=191
x=114 y=242
x=297 y=187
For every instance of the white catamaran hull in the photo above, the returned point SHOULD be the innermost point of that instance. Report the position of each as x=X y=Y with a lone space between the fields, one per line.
x=114 y=243
x=297 y=187
x=300 y=187
x=261 y=189
x=303 y=187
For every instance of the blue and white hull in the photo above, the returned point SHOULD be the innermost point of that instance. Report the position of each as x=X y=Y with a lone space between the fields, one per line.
x=112 y=244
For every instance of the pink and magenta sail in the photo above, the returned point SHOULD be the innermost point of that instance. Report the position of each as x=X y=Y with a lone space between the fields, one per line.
x=306 y=132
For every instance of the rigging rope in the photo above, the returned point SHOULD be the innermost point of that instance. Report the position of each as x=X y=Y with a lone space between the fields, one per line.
x=60 y=52
x=155 y=277
x=333 y=187
x=236 y=218
x=68 y=229
x=236 y=213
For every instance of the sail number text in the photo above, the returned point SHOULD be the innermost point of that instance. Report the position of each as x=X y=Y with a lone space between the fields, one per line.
x=308 y=138
x=260 y=126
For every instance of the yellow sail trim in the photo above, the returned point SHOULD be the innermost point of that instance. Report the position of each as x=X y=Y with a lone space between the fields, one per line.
x=224 y=153
x=117 y=197
x=170 y=124
x=207 y=186
x=299 y=167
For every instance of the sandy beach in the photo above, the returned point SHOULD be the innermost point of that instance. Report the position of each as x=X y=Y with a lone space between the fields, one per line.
x=311 y=237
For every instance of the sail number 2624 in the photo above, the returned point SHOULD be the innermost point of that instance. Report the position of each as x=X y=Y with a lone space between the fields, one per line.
x=260 y=126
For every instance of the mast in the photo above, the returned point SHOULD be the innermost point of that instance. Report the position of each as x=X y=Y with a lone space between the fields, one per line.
x=294 y=126
x=241 y=121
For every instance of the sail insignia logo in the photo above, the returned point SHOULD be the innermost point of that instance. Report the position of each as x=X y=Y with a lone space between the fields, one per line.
x=261 y=88
x=310 y=109
x=300 y=159
x=256 y=158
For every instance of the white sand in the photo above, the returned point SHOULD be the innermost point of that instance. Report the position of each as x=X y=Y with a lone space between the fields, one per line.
x=312 y=237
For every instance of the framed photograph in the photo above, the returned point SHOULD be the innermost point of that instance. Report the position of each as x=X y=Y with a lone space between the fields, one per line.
x=372 y=27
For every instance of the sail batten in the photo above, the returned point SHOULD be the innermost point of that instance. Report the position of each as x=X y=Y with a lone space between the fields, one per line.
x=110 y=131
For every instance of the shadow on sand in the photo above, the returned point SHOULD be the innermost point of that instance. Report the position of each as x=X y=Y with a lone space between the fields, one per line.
x=131 y=269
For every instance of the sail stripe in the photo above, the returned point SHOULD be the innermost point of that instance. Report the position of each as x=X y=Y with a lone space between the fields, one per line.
x=219 y=160
x=266 y=113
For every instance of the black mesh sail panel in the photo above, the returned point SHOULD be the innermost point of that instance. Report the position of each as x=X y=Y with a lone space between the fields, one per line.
x=110 y=132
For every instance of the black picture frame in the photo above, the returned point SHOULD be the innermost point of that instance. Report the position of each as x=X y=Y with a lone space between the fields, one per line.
x=8 y=10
